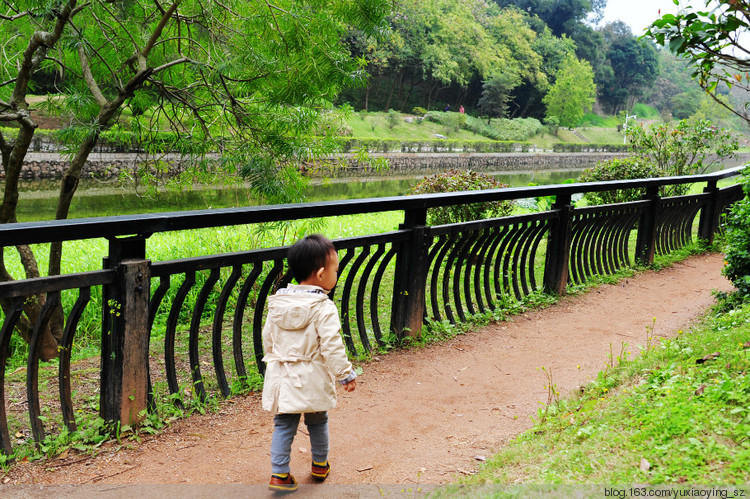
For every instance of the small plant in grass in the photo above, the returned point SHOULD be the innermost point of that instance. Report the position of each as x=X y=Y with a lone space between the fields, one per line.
x=462 y=180
x=393 y=119
x=553 y=396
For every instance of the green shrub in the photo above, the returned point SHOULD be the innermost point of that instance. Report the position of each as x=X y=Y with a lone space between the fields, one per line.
x=462 y=180
x=618 y=169
x=393 y=119
x=419 y=111
x=737 y=251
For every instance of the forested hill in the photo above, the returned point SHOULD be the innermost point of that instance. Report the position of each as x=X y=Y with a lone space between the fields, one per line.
x=502 y=57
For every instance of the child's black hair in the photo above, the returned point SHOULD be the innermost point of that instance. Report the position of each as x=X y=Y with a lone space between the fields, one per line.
x=308 y=255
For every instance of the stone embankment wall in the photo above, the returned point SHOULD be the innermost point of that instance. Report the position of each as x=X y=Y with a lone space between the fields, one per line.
x=421 y=163
x=50 y=166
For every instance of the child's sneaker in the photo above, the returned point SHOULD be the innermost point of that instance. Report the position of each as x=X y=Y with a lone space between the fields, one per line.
x=320 y=471
x=279 y=483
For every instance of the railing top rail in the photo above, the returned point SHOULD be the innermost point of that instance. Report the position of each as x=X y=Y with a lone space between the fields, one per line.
x=149 y=223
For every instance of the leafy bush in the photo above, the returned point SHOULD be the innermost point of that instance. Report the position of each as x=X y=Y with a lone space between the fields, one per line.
x=688 y=147
x=419 y=111
x=618 y=169
x=457 y=181
x=737 y=251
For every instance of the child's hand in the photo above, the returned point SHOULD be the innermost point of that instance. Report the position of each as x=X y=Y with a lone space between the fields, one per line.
x=350 y=386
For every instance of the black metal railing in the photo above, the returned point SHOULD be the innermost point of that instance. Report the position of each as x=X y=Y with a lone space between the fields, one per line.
x=191 y=327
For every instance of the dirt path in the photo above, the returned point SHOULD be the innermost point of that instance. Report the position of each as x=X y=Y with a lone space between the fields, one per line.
x=419 y=416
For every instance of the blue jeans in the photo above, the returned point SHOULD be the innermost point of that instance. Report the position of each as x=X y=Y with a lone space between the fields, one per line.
x=285 y=428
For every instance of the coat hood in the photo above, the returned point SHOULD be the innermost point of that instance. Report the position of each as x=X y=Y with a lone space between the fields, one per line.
x=291 y=307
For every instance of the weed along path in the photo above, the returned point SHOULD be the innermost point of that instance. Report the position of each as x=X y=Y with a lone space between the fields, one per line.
x=423 y=415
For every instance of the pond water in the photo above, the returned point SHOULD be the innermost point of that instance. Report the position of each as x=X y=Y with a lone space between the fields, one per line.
x=37 y=199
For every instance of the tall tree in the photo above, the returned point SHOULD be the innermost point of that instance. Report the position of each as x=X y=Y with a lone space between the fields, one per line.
x=496 y=94
x=213 y=70
x=635 y=66
x=572 y=93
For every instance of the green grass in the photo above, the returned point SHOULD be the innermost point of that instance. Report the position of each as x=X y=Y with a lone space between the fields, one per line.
x=646 y=112
x=375 y=125
x=601 y=135
x=689 y=419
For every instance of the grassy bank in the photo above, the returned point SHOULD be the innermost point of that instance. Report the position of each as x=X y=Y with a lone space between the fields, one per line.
x=678 y=413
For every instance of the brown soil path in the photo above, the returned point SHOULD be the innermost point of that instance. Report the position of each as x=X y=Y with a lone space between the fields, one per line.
x=419 y=416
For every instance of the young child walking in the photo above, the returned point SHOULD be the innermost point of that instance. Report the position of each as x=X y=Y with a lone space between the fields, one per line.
x=304 y=356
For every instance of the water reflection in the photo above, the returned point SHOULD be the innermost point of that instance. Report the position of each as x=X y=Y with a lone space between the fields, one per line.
x=37 y=199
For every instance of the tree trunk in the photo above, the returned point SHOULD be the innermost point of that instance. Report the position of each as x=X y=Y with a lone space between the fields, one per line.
x=390 y=94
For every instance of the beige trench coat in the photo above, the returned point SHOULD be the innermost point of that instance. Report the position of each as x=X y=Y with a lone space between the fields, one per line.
x=304 y=352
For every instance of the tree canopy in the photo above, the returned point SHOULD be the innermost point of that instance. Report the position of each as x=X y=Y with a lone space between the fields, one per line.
x=572 y=93
x=215 y=73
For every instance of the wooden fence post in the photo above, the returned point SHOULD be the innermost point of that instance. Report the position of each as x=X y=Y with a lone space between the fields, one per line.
x=709 y=221
x=645 y=248
x=124 y=361
x=408 y=308
x=558 y=247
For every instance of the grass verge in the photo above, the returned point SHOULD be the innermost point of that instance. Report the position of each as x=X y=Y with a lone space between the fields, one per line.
x=679 y=413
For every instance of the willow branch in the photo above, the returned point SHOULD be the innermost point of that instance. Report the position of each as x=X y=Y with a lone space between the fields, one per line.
x=173 y=63
x=17 y=16
x=36 y=51
x=160 y=28
x=88 y=77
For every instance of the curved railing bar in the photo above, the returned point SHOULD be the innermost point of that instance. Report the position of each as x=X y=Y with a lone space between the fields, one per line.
x=471 y=257
x=436 y=256
x=374 y=292
x=32 y=369
x=460 y=268
x=509 y=276
x=500 y=270
x=9 y=324
x=527 y=258
x=344 y=312
x=239 y=314
x=481 y=262
x=491 y=264
x=519 y=271
x=346 y=324
x=575 y=263
x=260 y=305
x=66 y=348
x=447 y=274
x=153 y=307
x=218 y=326
x=361 y=290
x=195 y=325
x=543 y=229
x=170 y=336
